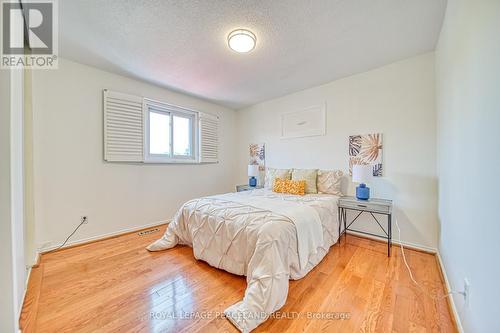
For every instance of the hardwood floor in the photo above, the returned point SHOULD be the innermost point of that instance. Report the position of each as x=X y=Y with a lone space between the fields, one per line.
x=116 y=285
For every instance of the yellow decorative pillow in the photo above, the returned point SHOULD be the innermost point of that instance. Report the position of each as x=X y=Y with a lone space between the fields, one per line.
x=279 y=185
x=297 y=187
x=282 y=185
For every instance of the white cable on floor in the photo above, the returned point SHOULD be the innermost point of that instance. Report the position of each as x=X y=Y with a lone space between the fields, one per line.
x=411 y=274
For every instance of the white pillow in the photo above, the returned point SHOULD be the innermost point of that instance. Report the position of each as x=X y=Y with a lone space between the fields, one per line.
x=310 y=176
x=329 y=182
x=272 y=173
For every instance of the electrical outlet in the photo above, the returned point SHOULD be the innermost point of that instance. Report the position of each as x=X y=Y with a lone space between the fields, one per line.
x=84 y=219
x=466 y=291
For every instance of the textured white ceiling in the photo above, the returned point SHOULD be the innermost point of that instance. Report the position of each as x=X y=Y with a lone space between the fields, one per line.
x=182 y=44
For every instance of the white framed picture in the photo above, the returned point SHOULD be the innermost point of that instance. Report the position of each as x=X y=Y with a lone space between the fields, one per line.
x=310 y=121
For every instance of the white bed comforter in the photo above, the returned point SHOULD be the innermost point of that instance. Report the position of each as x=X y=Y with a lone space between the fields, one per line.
x=260 y=234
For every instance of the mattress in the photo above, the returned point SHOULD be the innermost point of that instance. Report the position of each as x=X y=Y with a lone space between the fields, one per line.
x=244 y=234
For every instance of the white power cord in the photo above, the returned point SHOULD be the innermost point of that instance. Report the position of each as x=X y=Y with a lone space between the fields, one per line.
x=84 y=220
x=411 y=274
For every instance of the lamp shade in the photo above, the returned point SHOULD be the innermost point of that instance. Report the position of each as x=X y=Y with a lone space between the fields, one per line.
x=362 y=173
x=253 y=170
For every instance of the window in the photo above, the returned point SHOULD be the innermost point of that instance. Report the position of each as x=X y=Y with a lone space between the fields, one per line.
x=140 y=130
x=183 y=134
x=170 y=133
x=159 y=134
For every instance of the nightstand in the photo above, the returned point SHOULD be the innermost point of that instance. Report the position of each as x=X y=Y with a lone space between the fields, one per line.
x=371 y=206
x=241 y=188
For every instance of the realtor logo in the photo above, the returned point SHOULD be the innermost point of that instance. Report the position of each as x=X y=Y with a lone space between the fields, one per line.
x=29 y=34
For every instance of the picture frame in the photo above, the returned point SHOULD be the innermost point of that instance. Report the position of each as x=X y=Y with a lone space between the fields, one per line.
x=310 y=121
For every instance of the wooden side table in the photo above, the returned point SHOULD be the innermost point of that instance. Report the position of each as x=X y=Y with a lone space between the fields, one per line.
x=371 y=206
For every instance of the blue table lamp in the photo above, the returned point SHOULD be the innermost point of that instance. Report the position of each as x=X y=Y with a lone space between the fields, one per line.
x=362 y=174
x=253 y=171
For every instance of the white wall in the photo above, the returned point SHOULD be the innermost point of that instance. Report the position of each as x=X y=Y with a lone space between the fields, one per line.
x=29 y=218
x=7 y=309
x=12 y=263
x=396 y=100
x=468 y=106
x=17 y=186
x=72 y=179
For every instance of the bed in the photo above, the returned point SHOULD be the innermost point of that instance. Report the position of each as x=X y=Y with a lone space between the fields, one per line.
x=268 y=237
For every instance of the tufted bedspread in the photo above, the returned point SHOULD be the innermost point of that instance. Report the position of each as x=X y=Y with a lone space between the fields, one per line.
x=247 y=240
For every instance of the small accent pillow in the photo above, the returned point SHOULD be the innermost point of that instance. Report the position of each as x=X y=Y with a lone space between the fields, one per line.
x=329 y=182
x=309 y=175
x=272 y=173
x=297 y=187
x=280 y=185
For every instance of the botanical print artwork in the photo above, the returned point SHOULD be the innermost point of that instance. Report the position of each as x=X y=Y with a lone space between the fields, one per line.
x=366 y=149
x=258 y=155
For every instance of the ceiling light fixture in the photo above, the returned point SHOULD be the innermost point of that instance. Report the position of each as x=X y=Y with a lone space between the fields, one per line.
x=241 y=40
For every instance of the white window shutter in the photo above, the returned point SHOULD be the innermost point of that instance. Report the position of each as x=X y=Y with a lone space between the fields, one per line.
x=123 y=127
x=209 y=138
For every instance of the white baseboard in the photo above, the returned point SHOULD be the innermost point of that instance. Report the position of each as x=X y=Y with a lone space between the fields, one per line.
x=448 y=289
x=396 y=242
x=37 y=258
x=45 y=249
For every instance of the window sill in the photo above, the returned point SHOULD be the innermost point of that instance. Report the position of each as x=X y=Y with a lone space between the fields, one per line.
x=172 y=161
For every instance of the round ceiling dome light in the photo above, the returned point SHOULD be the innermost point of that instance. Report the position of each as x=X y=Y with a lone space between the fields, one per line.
x=241 y=40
